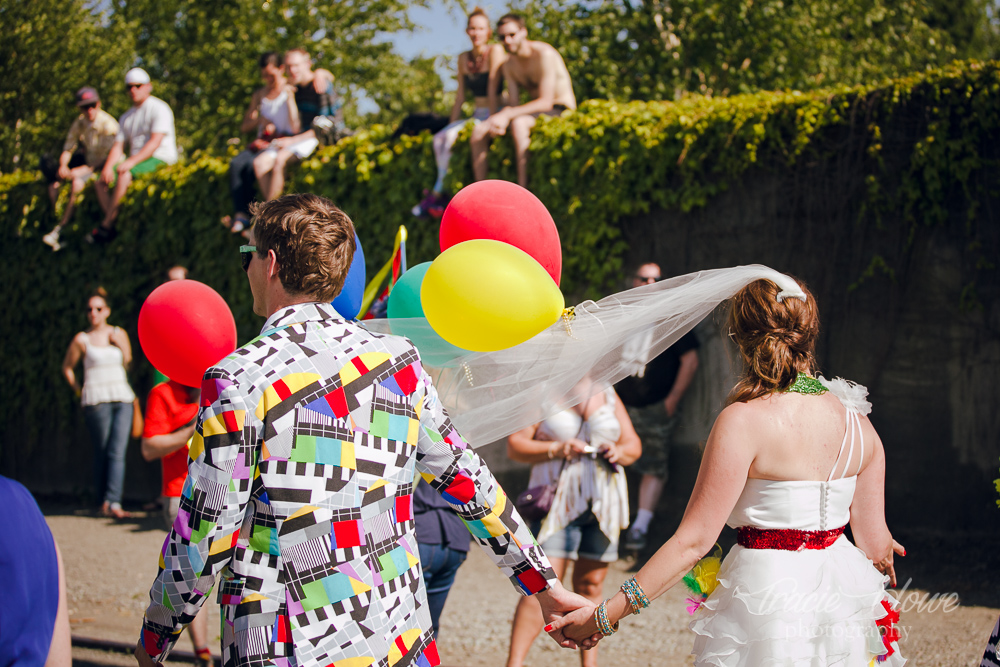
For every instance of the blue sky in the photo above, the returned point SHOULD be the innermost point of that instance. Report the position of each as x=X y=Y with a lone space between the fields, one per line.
x=442 y=32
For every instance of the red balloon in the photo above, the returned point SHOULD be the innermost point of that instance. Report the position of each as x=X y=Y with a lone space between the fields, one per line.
x=503 y=211
x=185 y=327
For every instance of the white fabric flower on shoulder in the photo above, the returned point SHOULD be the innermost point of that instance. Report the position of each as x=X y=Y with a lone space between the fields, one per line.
x=851 y=394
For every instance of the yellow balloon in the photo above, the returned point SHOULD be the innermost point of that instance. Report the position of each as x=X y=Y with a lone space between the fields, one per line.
x=487 y=295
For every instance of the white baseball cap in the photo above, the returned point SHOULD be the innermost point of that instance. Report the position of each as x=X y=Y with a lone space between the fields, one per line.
x=136 y=75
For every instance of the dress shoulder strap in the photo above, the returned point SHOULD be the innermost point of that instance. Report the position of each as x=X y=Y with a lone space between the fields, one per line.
x=854 y=399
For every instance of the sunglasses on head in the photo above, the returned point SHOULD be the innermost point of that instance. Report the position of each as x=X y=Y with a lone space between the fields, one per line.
x=246 y=254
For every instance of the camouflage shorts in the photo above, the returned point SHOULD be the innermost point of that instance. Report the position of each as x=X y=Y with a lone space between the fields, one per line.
x=655 y=429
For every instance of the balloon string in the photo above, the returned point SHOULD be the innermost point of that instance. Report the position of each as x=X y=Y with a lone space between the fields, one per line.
x=567 y=317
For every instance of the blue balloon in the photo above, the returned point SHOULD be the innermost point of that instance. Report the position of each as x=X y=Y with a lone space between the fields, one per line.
x=348 y=302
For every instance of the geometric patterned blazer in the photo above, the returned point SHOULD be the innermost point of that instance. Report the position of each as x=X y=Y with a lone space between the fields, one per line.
x=299 y=498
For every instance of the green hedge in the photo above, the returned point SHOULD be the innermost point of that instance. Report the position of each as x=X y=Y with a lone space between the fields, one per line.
x=593 y=168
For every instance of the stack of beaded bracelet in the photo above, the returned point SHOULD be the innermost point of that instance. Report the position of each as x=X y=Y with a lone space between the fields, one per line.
x=634 y=594
x=601 y=616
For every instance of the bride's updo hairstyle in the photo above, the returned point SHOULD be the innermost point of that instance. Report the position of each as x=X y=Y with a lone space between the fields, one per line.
x=776 y=339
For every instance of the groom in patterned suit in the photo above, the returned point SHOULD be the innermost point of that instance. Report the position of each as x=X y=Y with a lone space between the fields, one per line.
x=302 y=469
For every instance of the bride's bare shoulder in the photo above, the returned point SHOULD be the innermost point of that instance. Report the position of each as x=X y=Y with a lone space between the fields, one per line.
x=745 y=413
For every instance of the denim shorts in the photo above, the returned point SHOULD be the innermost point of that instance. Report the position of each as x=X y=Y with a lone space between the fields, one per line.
x=582 y=538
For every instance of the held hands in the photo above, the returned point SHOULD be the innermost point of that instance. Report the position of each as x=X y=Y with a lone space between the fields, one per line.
x=64 y=173
x=561 y=608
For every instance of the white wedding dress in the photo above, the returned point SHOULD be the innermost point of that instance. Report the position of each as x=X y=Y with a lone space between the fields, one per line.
x=815 y=607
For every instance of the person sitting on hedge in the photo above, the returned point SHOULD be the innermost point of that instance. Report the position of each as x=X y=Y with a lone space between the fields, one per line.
x=533 y=66
x=272 y=114
x=312 y=104
x=479 y=74
x=85 y=150
x=148 y=127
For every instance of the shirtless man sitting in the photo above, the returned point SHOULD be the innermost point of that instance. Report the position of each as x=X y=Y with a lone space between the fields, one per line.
x=532 y=66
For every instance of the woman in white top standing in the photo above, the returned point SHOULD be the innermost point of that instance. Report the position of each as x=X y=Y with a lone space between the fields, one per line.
x=581 y=450
x=106 y=397
x=272 y=113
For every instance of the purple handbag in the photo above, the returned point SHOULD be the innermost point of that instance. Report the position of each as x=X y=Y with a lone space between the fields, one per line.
x=534 y=504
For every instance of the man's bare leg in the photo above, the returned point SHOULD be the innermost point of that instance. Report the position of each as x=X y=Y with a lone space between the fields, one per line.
x=103 y=196
x=124 y=180
x=54 y=189
x=480 y=144
x=263 y=165
x=79 y=180
x=76 y=188
x=281 y=160
x=520 y=127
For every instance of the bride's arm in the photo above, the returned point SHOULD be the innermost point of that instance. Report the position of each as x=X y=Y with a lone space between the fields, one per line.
x=871 y=535
x=730 y=450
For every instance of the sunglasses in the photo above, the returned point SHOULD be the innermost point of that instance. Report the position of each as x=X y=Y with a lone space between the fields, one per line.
x=87 y=107
x=246 y=254
x=130 y=86
x=648 y=279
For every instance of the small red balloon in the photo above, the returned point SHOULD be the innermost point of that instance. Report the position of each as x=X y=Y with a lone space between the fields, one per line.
x=185 y=327
x=503 y=211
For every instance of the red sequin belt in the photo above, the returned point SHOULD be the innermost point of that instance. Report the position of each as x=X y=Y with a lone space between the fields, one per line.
x=787 y=539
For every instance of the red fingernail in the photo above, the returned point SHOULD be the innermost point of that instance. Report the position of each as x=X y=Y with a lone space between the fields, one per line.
x=904 y=552
x=548 y=628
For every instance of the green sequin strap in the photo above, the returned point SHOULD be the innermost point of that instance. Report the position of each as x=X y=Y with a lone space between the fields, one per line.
x=806 y=385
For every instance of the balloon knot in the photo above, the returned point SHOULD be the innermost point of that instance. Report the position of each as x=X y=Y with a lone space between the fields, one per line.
x=567 y=316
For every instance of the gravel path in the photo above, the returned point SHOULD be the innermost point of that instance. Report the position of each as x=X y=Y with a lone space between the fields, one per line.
x=110 y=565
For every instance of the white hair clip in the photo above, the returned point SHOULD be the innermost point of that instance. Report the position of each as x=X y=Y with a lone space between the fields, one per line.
x=789 y=288
x=791 y=294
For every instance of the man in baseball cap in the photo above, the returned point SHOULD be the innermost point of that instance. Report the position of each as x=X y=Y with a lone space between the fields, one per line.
x=148 y=127
x=85 y=150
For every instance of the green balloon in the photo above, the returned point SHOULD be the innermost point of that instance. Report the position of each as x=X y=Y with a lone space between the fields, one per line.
x=407 y=315
x=404 y=299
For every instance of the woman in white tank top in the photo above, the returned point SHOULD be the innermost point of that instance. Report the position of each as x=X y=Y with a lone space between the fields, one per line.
x=106 y=398
x=581 y=450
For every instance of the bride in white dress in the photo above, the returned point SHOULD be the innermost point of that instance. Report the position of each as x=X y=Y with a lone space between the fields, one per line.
x=790 y=462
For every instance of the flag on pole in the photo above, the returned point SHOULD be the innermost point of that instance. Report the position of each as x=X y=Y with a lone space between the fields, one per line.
x=393 y=269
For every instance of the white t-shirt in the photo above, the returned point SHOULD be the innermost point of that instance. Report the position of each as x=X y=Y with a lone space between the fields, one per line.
x=139 y=123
